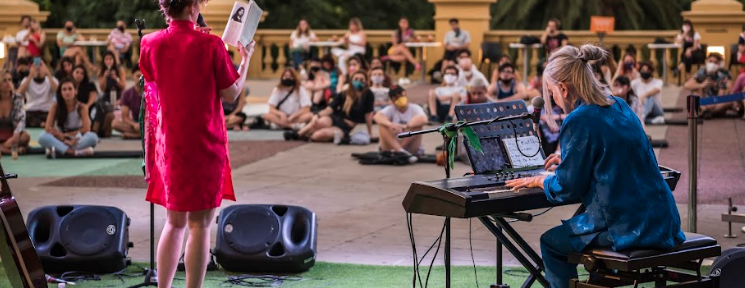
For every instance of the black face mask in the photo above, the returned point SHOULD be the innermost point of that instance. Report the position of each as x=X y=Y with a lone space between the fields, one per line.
x=23 y=74
x=315 y=69
x=69 y=28
x=646 y=75
x=506 y=81
x=121 y=28
x=288 y=82
x=39 y=80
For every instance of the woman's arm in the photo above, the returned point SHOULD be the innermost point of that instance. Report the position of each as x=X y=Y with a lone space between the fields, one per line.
x=49 y=124
x=92 y=97
x=573 y=176
x=241 y=104
x=122 y=79
x=233 y=91
x=369 y=122
x=340 y=84
x=382 y=120
x=86 y=119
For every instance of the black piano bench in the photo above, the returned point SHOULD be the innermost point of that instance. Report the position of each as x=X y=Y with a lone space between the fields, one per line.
x=609 y=268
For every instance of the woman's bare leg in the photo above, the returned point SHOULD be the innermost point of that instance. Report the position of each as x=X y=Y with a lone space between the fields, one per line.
x=169 y=247
x=198 y=247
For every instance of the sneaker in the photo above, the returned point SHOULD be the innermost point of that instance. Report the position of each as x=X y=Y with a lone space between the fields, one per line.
x=404 y=157
x=297 y=126
x=84 y=152
x=657 y=120
x=338 y=136
x=291 y=135
x=274 y=126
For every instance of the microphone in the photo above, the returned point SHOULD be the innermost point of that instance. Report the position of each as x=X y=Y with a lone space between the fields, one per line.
x=537 y=107
x=200 y=21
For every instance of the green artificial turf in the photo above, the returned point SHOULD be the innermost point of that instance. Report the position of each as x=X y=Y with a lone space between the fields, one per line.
x=333 y=275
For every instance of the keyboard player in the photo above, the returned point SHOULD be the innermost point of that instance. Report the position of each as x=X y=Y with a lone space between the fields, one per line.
x=606 y=162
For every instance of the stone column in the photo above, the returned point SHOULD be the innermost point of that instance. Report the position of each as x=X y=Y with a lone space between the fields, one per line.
x=718 y=22
x=473 y=16
x=10 y=19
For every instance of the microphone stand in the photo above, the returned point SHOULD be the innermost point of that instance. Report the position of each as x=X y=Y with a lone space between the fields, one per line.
x=446 y=141
x=151 y=275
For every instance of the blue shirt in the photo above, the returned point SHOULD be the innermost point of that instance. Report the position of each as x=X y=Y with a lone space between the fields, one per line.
x=608 y=164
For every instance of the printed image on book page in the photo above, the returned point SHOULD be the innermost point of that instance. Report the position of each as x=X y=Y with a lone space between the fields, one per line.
x=242 y=24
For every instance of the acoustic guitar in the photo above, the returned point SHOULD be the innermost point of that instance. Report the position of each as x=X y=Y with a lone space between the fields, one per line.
x=22 y=264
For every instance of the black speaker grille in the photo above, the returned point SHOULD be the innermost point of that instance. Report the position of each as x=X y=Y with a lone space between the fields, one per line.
x=251 y=230
x=87 y=231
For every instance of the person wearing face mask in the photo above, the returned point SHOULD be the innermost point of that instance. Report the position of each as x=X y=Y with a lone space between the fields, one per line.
x=627 y=67
x=119 y=40
x=649 y=90
x=505 y=59
x=318 y=84
x=380 y=92
x=66 y=42
x=442 y=100
x=690 y=41
x=468 y=70
x=401 y=117
x=607 y=163
x=21 y=71
x=354 y=64
x=709 y=81
x=38 y=89
x=345 y=111
x=622 y=89
x=507 y=88
x=289 y=103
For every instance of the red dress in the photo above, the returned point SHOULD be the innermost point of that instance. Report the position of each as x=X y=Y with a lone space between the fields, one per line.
x=34 y=50
x=187 y=163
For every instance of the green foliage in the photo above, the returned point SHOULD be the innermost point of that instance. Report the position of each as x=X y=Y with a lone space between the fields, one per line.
x=384 y=14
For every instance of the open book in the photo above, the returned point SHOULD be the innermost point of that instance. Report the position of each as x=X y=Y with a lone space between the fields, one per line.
x=244 y=19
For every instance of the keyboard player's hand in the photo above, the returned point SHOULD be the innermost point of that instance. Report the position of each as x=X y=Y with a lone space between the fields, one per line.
x=551 y=162
x=527 y=182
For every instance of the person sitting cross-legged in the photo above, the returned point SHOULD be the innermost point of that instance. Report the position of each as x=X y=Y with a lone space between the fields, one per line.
x=68 y=126
x=289 y=104
x=400 y=117
x=129 y=125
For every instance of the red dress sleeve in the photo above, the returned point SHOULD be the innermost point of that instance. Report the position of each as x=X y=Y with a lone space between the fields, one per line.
x=225 y=72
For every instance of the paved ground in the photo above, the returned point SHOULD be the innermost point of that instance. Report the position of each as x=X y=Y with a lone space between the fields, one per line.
x=361 y=219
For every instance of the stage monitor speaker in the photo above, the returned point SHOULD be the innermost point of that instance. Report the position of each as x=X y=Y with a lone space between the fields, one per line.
x=266 y=238
x=730 y=266
x=83 y=238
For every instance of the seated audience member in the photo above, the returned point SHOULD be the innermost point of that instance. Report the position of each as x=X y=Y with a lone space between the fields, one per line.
x=111 y=78
x=87 y=91
x=553 y=38
x=328 y=66
x=119 y=41
x=692 y=51
x=442 y=100
x=129 y=125
x=505 y=59
x=377 y=80
x=400 y=117
x=66 y=43
x=649 y=90
x=354 y=64
x=318 y=85
x=399 y=53
x=356 y=41
x=376 y=62
x=507 y=88
x=22 y=70
x=234 y=116
x=622 y=89
x=289 y=104
x=38 y=90
x=22 y=34
x=455 y=41
x=628 y=67
x=741 y=50
x=348 y=109
x=36 y=39
x=468 y=70
x=709 y=81
x=477 y=92
x=12 y=118
x=68 y=125
x=65 y=68
x=300 y=43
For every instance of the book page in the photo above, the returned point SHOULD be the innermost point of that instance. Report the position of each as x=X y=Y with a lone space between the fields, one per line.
x=234 y=27
x=529 y=145
x=251 y=23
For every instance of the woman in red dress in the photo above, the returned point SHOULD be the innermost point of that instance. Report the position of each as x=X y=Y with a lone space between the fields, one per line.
x=187 y=73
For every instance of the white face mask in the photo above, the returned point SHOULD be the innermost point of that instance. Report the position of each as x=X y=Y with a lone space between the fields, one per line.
x=377 y=79
x=711 y=67
x=467 y=73
x=450 y=78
